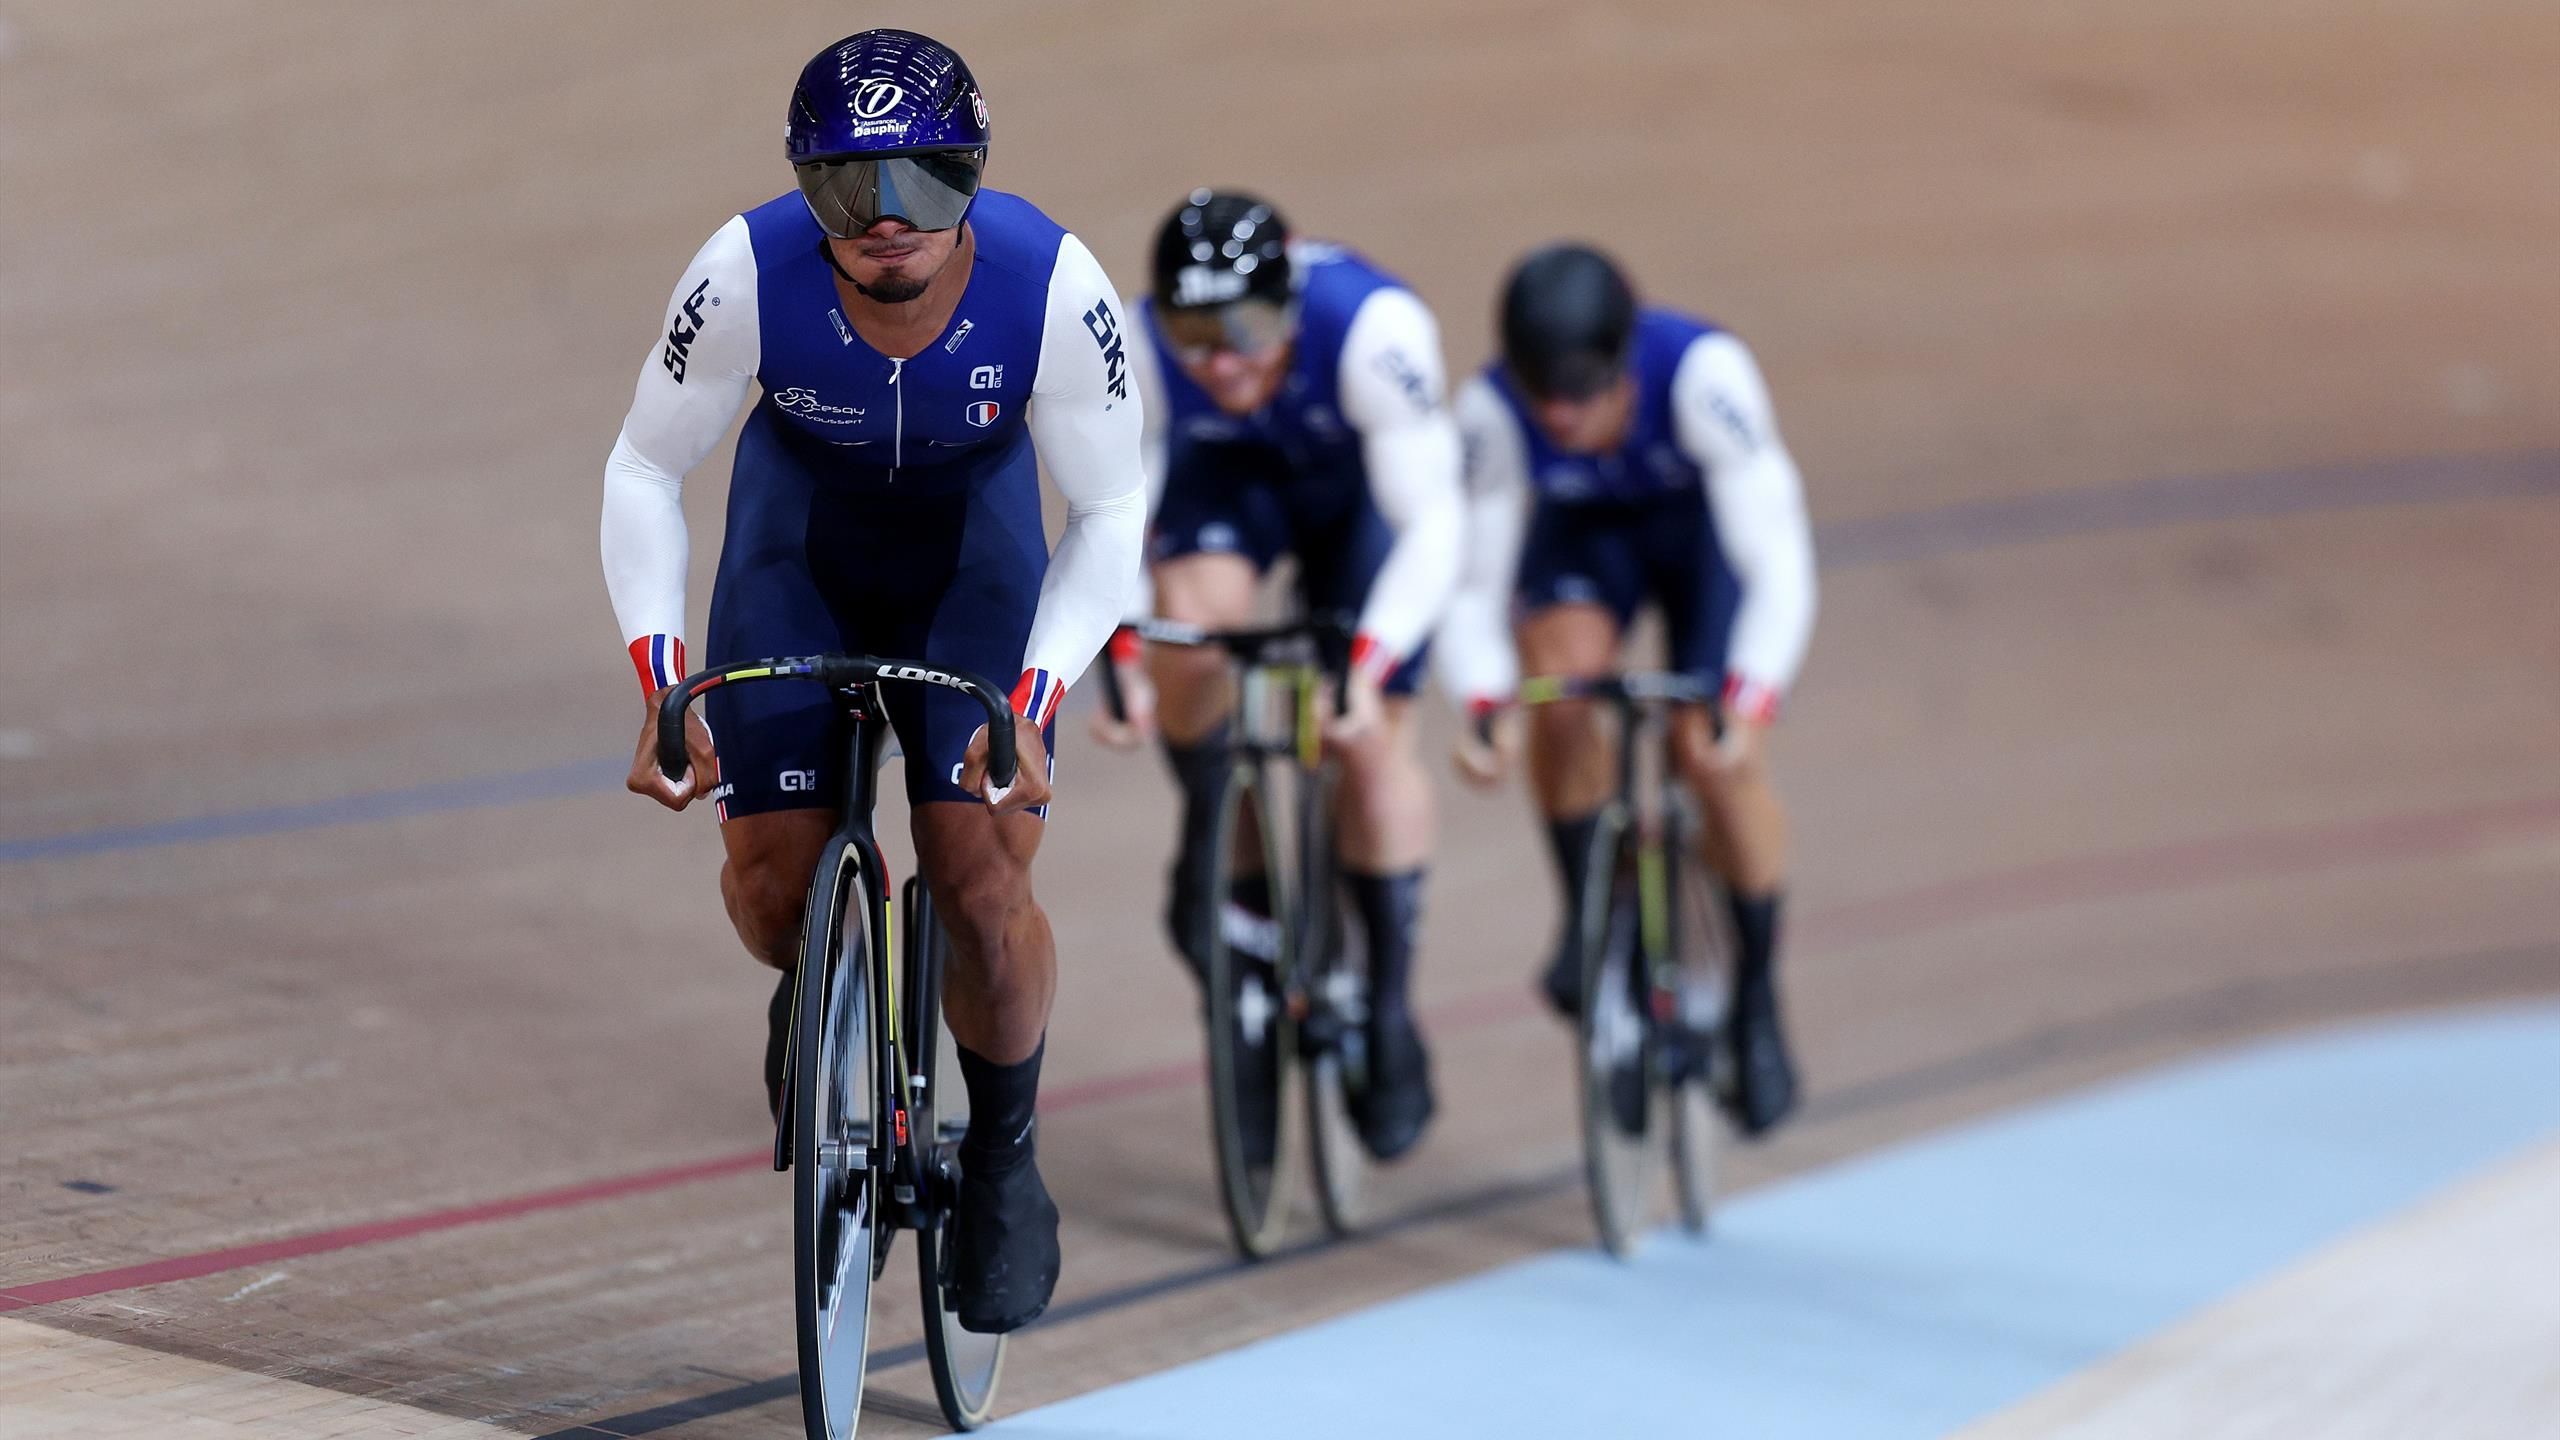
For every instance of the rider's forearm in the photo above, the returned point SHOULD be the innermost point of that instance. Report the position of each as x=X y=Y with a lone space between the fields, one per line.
x=1473 y=647
x=1724 y=419
x=1768 y=541
x=1413 y=472
x=644 y=545
x=1478 y=666
x=1083 y=598
x=1086 y=420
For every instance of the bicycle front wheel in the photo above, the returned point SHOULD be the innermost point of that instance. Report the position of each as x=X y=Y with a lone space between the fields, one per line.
x=835 y=1178
x=1613 y=1047
x=1698 y=979
x=1335 y=1035
x=1253 y=1039
x=965 y=1364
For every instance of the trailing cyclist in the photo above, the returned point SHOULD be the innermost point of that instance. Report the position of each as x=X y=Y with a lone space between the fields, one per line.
x=916 y=338
x=1619 y=455
x=1295 y=406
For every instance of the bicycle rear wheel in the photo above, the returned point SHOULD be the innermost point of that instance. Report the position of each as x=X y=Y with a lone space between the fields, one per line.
x=835 y=1171
x=1701 y=989
x=1336 y=1029
x=1614 y=1042
x=965 y=1364
x=1253 y=1041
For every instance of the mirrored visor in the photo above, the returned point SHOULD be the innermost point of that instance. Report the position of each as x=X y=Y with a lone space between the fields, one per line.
x=929 y=192
x=1247 y=327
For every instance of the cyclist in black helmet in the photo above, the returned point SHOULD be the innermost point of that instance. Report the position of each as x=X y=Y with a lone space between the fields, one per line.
x=1295 y=406
x=1617 y=455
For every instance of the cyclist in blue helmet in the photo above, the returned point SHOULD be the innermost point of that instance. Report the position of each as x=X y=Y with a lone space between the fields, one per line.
x=910 y=347
x=1620 y=455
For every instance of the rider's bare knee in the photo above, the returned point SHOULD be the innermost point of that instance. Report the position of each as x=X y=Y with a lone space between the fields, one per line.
x=976 y=902
x=765 y=905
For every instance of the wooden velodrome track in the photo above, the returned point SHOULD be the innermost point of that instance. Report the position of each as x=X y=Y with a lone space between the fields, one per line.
x=2177 y=406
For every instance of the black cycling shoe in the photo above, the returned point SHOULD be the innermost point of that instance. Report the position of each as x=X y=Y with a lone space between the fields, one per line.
x=1764 y=1089
x=1004 y=1242
x=777 y=1041
x=1394 y=1107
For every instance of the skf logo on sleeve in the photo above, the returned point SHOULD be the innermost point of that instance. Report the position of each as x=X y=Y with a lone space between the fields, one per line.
x=984 y=413
x=1407 y=376
x=1115 y=359
x=682 y=331
x=1736 y=424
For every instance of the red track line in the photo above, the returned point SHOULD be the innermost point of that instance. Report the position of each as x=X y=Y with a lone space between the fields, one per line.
x=209 y=1262
x=2249 y=855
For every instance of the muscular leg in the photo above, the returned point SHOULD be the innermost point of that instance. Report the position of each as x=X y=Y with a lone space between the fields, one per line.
x=765 y=884
x=1386 y=817
x=1004 y=964
x=765 y=880
x=1746 y=842
x=1746 y=825
x=1002 y=971
x=1195 y=695
x=1194 y=691
x=1570 y=765
x=1384 y=833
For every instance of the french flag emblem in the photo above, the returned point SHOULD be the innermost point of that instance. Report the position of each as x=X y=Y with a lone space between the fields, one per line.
x=984 y=413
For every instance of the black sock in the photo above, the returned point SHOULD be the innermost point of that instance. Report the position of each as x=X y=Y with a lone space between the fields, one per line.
x=1390 y=909
x=1201 y=769
x=1001 y=1098
x=1570 y=842
x=1755 y=934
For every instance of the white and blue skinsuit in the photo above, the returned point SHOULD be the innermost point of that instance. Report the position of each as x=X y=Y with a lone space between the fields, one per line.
x=1699 y=508
x=879 y=505
x=1352 y=465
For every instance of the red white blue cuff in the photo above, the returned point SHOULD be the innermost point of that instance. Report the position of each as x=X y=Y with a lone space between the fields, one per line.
x=1371 y=660
x=1750 y=699
x=1036 y=696
x=659 y=659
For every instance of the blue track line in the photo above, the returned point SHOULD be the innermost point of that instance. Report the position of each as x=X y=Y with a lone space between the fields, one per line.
x=546 y=782
x=1843 y=545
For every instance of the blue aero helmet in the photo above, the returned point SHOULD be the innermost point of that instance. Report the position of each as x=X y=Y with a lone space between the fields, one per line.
x=887 y=123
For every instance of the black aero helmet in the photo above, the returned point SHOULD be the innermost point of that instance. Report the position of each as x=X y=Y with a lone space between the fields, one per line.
x=1568 y=320
x=1221 y=246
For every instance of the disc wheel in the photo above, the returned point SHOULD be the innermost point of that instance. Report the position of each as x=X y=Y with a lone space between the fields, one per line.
x=1253 y=1041
x=835 y=1182
x=1336 y=1038
x=965 y=1364
x=1614 y=1046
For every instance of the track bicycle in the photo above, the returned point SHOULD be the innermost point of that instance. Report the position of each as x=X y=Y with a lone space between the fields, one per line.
x=862 y=1130
x=1280 y=959
x=1651 y=1055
